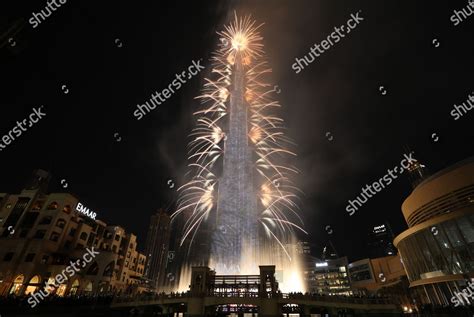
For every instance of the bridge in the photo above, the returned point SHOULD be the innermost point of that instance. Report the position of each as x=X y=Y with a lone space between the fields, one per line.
x=221 y=295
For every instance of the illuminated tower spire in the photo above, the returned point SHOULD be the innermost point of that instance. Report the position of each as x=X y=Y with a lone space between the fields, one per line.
x=237 y=214
x=241 y=186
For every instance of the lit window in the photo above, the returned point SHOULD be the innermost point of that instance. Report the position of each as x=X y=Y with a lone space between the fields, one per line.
x=53 y=206
x=67 y=209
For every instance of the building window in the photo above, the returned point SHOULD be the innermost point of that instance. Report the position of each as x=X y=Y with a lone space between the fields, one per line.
x=93 y=269
x=53 y=206
x=33 y=285
x=8 y=256
x=29 y=257
x=54 y=237
x=17 y=284
x=46 y=220
x=109 y=269
x=24 y=233
x=74 y=287
x=17 y=211
x=61 y=223
x=44 y=259
x=67 y=209
x=117 y=238
x=37 y=206
x=83 y=236
x=72 y=232
x=67 y=245
x=39 y=234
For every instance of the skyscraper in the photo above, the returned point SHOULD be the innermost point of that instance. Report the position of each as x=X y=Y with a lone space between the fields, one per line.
x=157 y=245
x=237 y=203
x=380 y=241
x=241 y=194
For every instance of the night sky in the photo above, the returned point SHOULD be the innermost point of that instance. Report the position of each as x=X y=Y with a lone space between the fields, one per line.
x=125 y=181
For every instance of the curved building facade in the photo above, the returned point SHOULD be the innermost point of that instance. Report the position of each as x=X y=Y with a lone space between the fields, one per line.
x=438 y=248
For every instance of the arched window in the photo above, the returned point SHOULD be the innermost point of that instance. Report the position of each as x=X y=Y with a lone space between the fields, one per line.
x=46 y=220
x=33 y=285
x=103 y=287
x=54 y=236
x=61 y=223
x=16 y=287
x=61 y=291
x=93 y=269
x=88 y=287
x=83 y=236
x=37 y=206
x=74 y=287
x=53 y=206
x=67 y=209
x=109 y=269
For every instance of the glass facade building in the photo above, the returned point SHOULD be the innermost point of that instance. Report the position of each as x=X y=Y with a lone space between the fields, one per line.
x=438 y=248
x=329 y=277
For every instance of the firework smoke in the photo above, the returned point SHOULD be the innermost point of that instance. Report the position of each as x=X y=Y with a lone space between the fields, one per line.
x=240 y=187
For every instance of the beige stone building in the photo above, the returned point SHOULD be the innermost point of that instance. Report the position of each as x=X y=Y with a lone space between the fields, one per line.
x=40 y=234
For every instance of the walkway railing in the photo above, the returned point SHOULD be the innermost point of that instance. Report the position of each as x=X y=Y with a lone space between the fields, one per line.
x=290 y=296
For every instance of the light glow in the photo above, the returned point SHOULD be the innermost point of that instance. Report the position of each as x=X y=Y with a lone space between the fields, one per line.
x=249 y=197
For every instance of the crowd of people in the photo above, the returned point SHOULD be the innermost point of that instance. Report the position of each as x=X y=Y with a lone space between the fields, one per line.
x=13 y=303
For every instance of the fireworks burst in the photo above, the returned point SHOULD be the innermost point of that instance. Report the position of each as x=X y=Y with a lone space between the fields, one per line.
x=241 y=49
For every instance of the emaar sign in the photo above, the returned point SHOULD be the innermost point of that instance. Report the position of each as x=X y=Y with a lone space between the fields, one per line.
x=85 y=211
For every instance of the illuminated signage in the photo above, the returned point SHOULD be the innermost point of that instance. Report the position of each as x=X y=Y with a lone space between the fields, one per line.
x=85 y=211
x=322 y=264
x=380 y=229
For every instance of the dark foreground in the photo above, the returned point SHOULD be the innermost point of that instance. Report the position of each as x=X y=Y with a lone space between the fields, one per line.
x=100 y=306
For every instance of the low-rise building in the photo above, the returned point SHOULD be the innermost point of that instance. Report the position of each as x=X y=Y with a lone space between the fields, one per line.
x=384 y=276
x=328 y=277
x=40 y=234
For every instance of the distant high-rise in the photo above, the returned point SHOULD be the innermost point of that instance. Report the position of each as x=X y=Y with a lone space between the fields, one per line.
x=157 y=246
x=329 y=252
x=417 y=172
x=380 y=241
